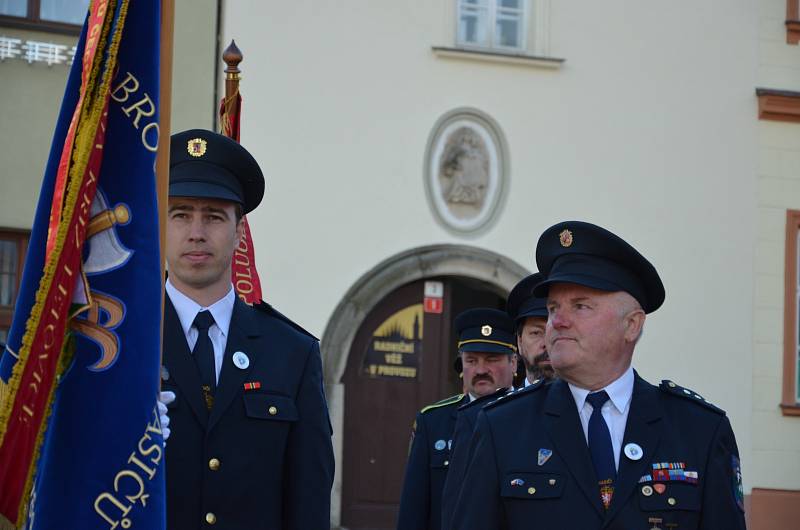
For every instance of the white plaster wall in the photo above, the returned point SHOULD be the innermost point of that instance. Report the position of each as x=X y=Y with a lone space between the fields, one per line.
x=649 y=129
x=776 y=439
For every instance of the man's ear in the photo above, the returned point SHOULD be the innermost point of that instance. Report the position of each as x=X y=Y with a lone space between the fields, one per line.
x=239 y=231
x=634 y=322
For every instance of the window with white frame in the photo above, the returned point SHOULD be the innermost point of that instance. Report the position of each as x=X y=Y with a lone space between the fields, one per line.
x=492 y=24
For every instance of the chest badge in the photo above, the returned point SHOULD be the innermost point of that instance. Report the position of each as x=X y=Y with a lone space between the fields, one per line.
x=544 y=455
x=633 y=451
x=241 y=360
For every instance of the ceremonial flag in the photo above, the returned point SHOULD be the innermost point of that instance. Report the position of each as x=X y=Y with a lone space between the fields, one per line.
x=80 y=438
x=243 y=272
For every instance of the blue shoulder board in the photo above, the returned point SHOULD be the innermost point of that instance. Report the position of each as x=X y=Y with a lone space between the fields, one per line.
x=676 y=390
x=533 y=387
x=483 y=400
x=271 y=311
x=443 y=403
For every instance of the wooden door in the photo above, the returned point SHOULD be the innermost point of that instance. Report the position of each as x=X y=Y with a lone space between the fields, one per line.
x=400 y=361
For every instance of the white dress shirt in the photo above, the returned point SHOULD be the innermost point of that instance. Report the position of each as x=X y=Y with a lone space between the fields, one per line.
x=614 y=411
x=221 y=310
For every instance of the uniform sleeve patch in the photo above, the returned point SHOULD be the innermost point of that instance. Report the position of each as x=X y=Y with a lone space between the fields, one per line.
x=736 y=482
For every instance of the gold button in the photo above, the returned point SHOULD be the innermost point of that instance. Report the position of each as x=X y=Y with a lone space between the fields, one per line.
x=273 y=410
x=211 y=518
x=531 y=490
x=552 y=482
x=671 y=384
x=447 y=462
x=671 y=501
x=213 y=464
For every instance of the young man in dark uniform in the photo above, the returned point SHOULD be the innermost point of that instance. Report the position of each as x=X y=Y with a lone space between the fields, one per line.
x=599 y=447
x=250 y=444
x=487 y=356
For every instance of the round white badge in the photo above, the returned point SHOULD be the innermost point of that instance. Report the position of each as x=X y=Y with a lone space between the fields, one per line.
x=440 y=445
x=241 y=360
x=633 y=451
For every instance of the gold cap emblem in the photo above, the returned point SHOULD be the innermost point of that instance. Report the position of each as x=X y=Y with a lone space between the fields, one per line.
x=197 y=147
x=565 y=237
x=486 y=330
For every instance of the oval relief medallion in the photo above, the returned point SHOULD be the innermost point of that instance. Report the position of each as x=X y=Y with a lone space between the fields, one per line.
x=465 y=170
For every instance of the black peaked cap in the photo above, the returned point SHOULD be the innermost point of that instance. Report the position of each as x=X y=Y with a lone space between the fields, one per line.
x=209 y=165
x=586 y=254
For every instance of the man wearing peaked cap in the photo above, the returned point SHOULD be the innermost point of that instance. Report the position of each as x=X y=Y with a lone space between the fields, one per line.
x=529 y=313
x=250 y=443
x=486 y=353
x=600 y=447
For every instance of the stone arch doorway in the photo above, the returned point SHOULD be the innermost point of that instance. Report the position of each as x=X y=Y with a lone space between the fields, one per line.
x=470 y=273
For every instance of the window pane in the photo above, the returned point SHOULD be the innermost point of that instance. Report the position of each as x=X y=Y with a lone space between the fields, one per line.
x=8 y=272
x=68 y=11
x=507 y=31
x=473 y=25
x=516 y=4
x=15 y=8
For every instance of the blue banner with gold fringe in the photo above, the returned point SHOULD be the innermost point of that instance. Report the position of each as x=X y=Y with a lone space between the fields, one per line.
x=101 y=462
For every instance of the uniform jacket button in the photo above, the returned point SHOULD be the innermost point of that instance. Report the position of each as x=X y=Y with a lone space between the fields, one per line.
x=211 y=518
x=213 y=464
x=273 y=410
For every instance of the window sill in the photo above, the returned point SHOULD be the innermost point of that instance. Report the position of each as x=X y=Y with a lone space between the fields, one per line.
x=497 y=57
x=790 y=410
x=793 y=31
x=42 y=25
x=778 y=105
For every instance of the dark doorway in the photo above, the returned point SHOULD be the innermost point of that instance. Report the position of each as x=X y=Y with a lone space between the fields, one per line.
x=401 y=360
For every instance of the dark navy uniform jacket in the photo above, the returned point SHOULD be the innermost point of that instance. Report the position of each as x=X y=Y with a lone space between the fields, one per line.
x=427 y=466
x=507 y=486
x=261 y=459
x=466 y=417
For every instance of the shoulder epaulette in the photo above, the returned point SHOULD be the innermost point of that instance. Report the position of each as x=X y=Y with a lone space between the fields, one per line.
x=676 y=390
x=533 y=387
x=271 y=311
x=483 y=400
x=443 y=403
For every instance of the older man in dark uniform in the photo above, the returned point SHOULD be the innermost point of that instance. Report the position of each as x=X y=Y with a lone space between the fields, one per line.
x=486 y=354
x=600 y=448
x=250 y=445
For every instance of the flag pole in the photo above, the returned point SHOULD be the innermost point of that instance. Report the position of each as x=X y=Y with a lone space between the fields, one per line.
x=164 y=118
x=232 y=57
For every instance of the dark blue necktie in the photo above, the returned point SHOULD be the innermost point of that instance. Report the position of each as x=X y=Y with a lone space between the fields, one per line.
x=203 y=354
x=600 y=439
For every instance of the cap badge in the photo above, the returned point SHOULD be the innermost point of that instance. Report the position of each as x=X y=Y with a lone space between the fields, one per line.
x=197 y=147
x=486 y=330
x=565 y=237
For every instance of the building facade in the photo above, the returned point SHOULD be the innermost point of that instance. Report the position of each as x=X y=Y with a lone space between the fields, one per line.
x=414 y=151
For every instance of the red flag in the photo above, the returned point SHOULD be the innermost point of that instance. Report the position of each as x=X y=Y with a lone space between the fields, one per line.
x=244 y=274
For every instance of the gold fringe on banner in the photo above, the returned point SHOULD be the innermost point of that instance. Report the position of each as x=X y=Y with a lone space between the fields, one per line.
x=90 y=116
